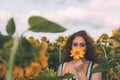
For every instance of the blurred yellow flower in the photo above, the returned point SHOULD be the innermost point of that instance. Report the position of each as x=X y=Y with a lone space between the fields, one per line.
x=66 y=37
x=77 y=53
x=61 y=43
x=2 y=70
x=18 y=72
x=61 y=40
x=28 y=71
x=113 y=74
x=31 y=38
x=115 y=44
x=116 y=31
x=43 y=60
x=103 y=37
x=33 y=69
x=44 y=38
x=37 y=43
x=44 y=45
x=51 y=46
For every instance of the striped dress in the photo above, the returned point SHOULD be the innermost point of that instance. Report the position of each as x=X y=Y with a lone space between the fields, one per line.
x=87 y=70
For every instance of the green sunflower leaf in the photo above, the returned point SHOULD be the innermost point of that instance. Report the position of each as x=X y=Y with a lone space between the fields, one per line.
x=40 y=24
x=10 y=28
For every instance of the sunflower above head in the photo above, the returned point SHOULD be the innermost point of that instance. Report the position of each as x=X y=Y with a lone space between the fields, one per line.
x=77 y=53
x=61 y=40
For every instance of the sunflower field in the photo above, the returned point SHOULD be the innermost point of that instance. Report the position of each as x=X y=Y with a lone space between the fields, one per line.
x=32 y=59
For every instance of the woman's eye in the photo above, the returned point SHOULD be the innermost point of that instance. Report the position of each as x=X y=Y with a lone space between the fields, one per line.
x=74 y=44
x=82 y=45
x=78 y=45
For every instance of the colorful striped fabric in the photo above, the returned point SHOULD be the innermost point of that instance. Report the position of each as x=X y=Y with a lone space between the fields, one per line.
x=87 y=70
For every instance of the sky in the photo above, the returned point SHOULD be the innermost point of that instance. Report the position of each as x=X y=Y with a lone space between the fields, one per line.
x=94 y=16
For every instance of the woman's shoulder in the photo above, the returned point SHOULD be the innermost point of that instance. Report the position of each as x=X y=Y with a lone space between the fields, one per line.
x=61 y=68
x=62 y=64
x=94 y=64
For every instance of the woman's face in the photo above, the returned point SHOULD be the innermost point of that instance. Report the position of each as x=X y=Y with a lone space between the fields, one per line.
x=79 y=42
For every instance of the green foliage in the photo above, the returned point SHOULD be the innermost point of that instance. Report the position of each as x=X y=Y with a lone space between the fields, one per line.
x=44 y=38
x=4 y=39
x=10 y=28
x=46 y=74
x=116 y=31
x=104 y=36
x=116 y=34
x=18 y=50
x=26 y=51
x=50 y=74
x=67 y=75
x=2 y=78
x=24 y=54
x=54 y=56
x=40 y=24
x=110 y=55
x=103 y=67
x=116 y=37
x=5 y=45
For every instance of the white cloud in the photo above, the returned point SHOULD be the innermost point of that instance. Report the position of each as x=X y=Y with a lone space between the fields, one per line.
x=103 y=5
x=112 y=22
x=98 y=5
x=115 y=3
x=70 y=13
x=97 y=14
x=4 y=15
x=23 y=18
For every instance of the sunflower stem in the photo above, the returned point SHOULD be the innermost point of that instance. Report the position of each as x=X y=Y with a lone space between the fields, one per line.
x=11 y=60
x=60 y=55
x=106 y=57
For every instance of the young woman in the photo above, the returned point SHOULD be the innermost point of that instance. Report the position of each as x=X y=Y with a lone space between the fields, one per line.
x=80 y=68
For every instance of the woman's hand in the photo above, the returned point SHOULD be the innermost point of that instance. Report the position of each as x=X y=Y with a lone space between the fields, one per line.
x=78 y=65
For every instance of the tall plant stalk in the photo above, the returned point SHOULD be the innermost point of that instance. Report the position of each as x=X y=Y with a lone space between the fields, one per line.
x=106 y=60
x=60 y=54
x=104 y=51
x=11 y=60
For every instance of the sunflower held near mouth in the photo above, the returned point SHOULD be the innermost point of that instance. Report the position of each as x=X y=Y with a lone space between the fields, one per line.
x=77 y=53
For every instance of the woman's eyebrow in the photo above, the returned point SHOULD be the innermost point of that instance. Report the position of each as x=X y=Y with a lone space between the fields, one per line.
x=82 y=43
